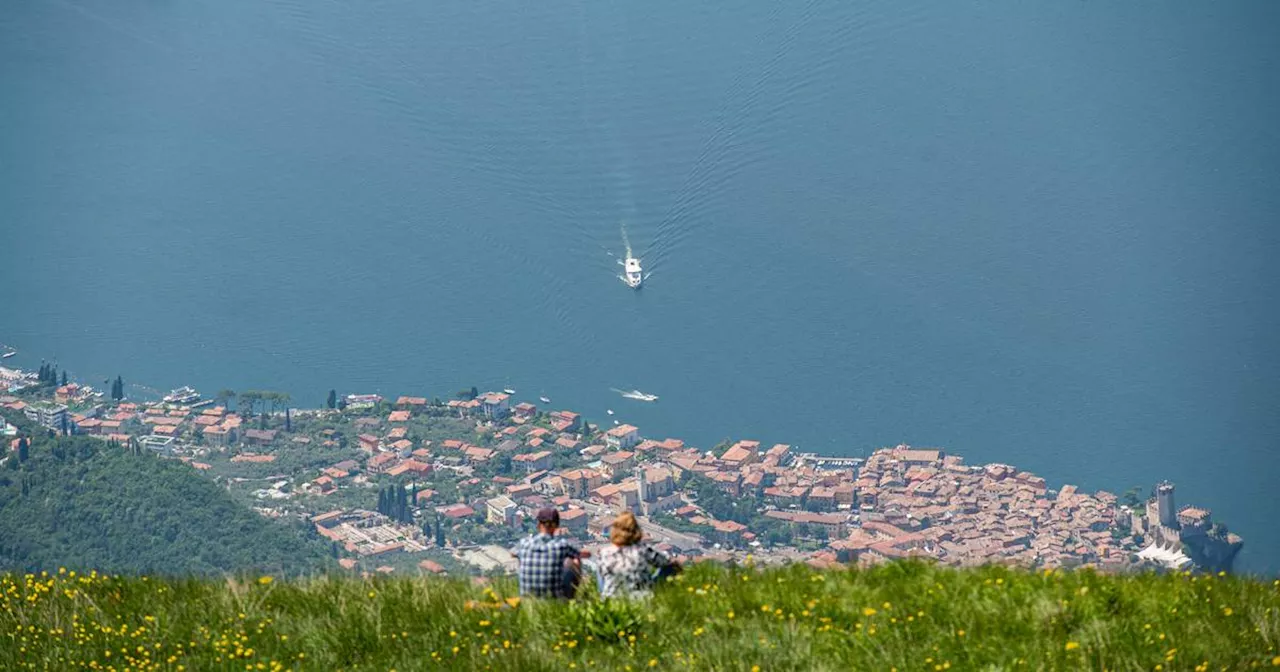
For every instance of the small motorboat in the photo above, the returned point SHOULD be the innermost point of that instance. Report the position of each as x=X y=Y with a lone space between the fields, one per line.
x=632 y=275
x=509 y=390
x=544 y=400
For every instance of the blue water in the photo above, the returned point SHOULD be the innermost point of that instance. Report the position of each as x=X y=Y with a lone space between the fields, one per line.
x=1036 y=233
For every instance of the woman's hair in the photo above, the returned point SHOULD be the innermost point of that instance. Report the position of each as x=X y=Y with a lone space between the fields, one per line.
x=626 y=530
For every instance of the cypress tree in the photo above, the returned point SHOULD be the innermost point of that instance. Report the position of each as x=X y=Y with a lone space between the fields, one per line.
x=333 y=399
x=24 y=449
x=64 y=377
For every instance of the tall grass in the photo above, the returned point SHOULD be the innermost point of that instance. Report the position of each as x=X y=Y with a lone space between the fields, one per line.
x=908 y=616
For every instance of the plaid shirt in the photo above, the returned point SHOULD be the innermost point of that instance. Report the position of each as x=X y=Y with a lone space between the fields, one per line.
x=542 y=559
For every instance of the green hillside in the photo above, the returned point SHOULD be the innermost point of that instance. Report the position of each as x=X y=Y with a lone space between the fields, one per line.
x=77 y=502
x=905 y=616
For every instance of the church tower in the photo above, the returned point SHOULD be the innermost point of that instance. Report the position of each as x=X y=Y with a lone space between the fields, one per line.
x=640 y=495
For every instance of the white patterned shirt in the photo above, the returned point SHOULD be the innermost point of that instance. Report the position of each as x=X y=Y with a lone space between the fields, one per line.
x=629 y=570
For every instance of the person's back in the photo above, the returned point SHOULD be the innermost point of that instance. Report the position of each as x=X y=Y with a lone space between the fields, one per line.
x=548 y=562
x=629 y=570
x=628 y=566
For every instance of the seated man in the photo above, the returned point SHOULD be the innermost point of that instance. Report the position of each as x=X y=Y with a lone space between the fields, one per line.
x=549 y=564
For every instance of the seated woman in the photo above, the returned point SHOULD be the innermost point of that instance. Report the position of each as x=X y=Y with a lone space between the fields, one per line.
x=628 y=567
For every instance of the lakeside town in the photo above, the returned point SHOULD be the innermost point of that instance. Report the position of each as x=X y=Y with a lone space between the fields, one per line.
x=417 y=484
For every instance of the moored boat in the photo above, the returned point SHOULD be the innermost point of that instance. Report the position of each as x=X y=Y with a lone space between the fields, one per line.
x=182 y=395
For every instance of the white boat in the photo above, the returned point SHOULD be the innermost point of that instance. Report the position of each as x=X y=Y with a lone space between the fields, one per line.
x=182 y=395
x=544 y=400
x=7 y=355
x=509 y=390
x=636 y=394
x=632 y=275
x=609 y=411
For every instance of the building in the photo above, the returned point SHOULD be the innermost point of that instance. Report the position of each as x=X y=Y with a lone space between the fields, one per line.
x=622 y=437
x=741 y=454
x=1165 y=506
x=914 y=457
x=160 y=444
x=259 y=437
x=216 y=435
x=1194 y=520
x=727 y=532
x=565 y=421
x=614 y=465
x=534 y=461
x=49 y=416
x=369 y=443
x=574 y=520
x=578 y=483
x=501 y=510
x=494 y=405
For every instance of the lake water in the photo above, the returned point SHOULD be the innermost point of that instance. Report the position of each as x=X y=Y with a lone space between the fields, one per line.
x=1035 y=233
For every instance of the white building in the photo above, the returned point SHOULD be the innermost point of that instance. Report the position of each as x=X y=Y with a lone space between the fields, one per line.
x=501 y=510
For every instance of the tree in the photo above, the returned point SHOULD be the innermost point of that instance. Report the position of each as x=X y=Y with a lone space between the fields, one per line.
x=439 y=532
x=342 y=404
x=117 y=389
x=1132 y=497
x=333 y=399
x=64 y=377
x=24 y=449
x=247 y=401
x=474 y=392
x=224 y=396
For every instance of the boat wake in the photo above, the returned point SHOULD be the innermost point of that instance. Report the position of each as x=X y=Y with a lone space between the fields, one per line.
x=635 y=394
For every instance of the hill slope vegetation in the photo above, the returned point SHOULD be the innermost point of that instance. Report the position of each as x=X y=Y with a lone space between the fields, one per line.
x=77 y=502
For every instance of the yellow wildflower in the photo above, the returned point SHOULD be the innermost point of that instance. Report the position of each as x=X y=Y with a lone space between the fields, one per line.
x=264 y=580
x=1072 y=646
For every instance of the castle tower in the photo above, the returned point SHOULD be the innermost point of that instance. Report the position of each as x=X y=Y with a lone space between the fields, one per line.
x=1165 y=506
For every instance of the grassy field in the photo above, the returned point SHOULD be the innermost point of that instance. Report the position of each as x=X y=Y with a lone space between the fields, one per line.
x=906 y=616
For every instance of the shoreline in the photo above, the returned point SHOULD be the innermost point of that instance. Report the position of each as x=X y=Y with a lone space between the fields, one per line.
x=897 y=502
